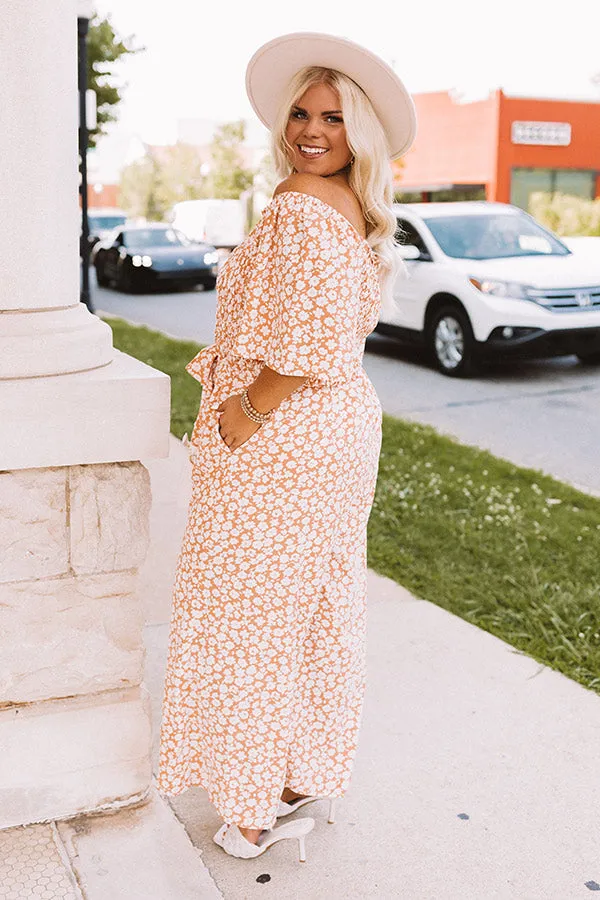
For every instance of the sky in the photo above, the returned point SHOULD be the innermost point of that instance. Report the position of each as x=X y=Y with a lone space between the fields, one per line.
x=196 y=53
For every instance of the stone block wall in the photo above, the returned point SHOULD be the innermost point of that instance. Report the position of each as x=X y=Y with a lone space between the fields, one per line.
x=74 y=714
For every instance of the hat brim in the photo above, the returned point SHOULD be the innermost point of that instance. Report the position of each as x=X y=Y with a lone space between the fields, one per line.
x=274 y=65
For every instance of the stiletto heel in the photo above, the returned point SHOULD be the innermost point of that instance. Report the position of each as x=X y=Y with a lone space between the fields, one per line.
x=231 y=839
x=302 y=849
x=285 y=809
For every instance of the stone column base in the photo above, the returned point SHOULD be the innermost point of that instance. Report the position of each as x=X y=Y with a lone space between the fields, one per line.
x=63 y=757
x=116 y=412
x=75 y=730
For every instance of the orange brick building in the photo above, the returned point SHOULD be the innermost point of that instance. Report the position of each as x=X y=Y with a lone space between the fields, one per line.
x=502 y=148
x=102 y=195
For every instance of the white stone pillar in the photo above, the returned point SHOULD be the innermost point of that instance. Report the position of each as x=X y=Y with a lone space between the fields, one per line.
x=44 y=329
x=105 y=406
x=76 y=417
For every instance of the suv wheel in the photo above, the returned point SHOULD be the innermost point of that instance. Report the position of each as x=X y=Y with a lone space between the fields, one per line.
x=451 y=342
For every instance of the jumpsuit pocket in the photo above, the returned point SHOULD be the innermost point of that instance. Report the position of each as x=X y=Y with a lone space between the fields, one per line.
x=213 y=426
x=255 y=439
x=206 y=429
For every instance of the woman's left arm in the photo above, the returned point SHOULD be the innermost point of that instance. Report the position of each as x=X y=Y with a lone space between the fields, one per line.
x=265 y=393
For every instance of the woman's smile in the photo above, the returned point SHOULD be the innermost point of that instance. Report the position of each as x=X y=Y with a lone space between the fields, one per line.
x=309 y=152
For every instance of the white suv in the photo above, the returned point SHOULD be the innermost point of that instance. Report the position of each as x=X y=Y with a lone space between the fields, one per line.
x=487 y=280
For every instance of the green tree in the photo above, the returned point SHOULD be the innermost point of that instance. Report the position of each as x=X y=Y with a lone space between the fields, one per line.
x=266 y=177
x=164 y=176
x=181 y=176
x=566 y=215
x=105 y=48
x=229 y=177
x=139 y=193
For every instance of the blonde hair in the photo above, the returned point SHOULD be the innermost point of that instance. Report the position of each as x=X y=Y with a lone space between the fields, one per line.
x=370 y=176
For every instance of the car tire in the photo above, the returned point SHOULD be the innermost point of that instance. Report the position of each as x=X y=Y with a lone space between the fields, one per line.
x=589 y=359
x=125 y=280
x=101 y=278
x=450 y=341
x=209 y=284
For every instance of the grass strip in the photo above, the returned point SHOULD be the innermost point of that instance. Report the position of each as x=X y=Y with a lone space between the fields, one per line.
x=169 y=356
x=510 y=550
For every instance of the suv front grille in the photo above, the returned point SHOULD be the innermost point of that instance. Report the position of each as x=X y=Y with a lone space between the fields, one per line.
x=567 y=299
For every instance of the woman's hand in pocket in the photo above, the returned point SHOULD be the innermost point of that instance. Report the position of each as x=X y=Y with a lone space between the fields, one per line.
x=234 y=425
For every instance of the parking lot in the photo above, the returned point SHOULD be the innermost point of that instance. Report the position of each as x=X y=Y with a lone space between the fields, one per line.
x=540 y=414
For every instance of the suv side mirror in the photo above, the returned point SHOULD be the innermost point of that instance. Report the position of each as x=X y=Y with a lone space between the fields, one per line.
x=409 y=251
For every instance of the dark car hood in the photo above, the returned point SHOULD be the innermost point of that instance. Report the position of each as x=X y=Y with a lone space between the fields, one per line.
x=168 y=253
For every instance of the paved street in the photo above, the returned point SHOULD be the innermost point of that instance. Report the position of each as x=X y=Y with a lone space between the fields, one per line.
x=538 y=414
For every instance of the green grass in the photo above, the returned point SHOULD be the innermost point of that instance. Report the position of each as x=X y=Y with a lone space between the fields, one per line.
x=170 y=356
x=509 y=549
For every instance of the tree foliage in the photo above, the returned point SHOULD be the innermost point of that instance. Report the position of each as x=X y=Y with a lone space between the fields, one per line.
x=104 y=49
x=167 y=175
x=164 y=176
x=181 y=175
x=566 y=215
x=138 y=194
x=229 y=177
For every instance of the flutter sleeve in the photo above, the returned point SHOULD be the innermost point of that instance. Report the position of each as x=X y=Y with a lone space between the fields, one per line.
x=310 y=291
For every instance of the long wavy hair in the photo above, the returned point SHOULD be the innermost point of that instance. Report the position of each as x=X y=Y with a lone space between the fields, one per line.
x=370 y=176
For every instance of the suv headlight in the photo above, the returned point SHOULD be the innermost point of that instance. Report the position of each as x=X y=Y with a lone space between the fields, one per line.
x=511 y=289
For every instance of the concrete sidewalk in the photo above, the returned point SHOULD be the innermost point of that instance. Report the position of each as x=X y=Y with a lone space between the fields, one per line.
x=477 y=775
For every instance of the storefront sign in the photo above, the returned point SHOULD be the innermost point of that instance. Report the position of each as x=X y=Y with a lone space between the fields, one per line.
x=547 y=133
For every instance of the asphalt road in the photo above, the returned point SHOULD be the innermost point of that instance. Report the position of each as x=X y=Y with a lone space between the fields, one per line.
x=543 y=415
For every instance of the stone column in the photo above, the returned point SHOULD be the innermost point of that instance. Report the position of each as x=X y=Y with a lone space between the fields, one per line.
x=76 y=417
x=44 y=329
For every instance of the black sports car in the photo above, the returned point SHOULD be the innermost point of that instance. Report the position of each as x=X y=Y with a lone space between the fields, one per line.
x=141 y=257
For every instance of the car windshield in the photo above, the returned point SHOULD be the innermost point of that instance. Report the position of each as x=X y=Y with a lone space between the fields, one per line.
x=493 y=236
x=155 y=237
x=104 y=223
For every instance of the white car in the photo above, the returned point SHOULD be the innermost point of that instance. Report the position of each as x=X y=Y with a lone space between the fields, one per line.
x=485 y=279
x=221 y=223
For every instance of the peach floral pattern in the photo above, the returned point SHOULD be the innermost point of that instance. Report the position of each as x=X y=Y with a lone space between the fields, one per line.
x=266 y=665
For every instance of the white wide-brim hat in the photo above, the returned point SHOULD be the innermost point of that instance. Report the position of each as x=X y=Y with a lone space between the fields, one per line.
x=274 y=65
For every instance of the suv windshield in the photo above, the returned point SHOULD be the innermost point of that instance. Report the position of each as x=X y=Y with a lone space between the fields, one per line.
x=493 y=236
x=155 y=237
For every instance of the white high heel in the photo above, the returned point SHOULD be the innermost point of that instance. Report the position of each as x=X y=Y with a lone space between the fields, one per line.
x=231 y=839
x=285 y=809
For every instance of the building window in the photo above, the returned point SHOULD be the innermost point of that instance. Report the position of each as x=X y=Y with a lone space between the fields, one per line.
x=575 y=182
x=428 y=195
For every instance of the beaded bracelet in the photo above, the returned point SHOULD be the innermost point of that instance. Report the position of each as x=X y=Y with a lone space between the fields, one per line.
x=251 y=412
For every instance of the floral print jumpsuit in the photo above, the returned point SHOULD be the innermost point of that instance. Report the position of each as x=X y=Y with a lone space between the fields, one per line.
x=266 y=665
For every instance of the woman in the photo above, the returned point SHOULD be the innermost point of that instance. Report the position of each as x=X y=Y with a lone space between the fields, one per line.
x=266 y=668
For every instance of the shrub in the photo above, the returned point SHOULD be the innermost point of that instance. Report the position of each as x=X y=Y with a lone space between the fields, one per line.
x=566 y=215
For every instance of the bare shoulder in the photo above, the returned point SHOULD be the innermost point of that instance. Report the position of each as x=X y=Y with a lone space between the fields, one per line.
x=304 y=183
x=334 y=193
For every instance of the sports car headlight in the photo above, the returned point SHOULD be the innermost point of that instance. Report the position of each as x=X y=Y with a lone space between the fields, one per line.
x=211 y=258
x=511 y=289
x=147 y=261
x=136 y=260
